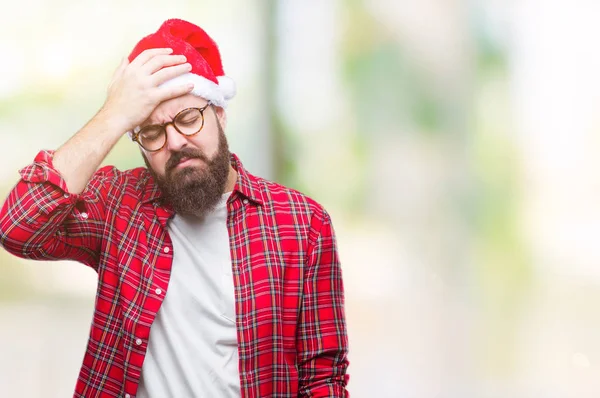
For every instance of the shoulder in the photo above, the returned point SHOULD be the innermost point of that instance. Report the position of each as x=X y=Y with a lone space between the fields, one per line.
x=280 y=198
x=296 y=212
x=132 y=182
x=138 y=176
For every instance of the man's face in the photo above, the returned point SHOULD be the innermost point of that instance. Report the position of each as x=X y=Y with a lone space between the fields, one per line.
x=191 y=171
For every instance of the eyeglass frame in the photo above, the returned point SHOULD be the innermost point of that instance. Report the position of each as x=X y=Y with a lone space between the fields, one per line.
x=135 y=135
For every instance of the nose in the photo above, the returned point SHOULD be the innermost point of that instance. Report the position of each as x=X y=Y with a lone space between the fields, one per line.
x=175 y=141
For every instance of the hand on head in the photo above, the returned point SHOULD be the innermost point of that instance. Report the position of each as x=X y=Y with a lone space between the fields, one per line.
x=135 y=91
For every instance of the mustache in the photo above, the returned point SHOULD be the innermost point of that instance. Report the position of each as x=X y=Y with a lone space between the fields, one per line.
x=185 y=153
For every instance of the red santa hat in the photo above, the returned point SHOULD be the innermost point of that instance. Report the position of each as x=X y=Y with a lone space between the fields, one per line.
x=201 y=52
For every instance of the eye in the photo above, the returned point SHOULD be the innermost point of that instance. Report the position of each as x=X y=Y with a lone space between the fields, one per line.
x=188 y=117
x=151 y=133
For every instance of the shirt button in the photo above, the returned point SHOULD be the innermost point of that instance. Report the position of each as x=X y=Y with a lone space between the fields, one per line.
x=167 y=250
x=245 y=201
x=158 y=291
x=138 y=341
x=66 y=196
x=84 y=216
x=127 y=396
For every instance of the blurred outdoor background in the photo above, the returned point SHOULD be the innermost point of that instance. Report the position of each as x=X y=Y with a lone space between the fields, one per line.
x=454 y=142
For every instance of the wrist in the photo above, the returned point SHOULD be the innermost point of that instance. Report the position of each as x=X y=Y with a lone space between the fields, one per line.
x=113 y=123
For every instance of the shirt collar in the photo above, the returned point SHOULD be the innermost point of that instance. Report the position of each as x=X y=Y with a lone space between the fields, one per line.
x=150 y=190
x=247 y=184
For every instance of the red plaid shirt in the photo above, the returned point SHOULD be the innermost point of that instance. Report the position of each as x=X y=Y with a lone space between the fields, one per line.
x=289 y=298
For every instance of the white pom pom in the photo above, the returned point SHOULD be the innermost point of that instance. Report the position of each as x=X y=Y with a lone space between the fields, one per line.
x=227 y=87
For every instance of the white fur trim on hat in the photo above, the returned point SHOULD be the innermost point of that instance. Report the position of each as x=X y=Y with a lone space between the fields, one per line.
x=227 y=86
x=217 y=94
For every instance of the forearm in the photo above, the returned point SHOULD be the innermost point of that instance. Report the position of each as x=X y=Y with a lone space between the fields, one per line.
x=82 y=154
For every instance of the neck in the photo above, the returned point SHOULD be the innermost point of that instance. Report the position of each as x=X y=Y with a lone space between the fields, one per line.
x=231 y=179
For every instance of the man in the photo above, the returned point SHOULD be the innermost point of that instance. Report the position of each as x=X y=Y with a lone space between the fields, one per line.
x=212 y=282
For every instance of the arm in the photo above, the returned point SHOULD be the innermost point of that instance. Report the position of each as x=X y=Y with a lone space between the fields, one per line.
x=41 y=220
x=322 y=342
x=50 y=214
x=132 y=96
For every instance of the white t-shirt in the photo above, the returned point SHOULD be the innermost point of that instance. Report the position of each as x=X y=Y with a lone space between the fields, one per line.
x=192 y=348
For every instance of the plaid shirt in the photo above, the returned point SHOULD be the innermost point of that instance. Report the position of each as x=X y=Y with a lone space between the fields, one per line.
x=289 y=298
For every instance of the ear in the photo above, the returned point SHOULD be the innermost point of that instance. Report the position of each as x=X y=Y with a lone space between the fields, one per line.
x=221 y=116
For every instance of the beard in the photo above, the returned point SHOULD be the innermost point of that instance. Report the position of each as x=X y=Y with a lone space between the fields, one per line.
x=194 y=190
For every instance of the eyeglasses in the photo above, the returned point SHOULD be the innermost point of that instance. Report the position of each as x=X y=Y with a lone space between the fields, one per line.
x=188 y=122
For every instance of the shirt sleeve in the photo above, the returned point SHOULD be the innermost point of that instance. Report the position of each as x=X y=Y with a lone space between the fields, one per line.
x=322 y=342
x=41 y=220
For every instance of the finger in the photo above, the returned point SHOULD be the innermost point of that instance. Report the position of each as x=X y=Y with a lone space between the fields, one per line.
x=167 y=93
x=161 y=61
x=146 y=55
x=170 y=72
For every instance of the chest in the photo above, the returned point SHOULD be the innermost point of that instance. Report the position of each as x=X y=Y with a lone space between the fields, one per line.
x=266 y=257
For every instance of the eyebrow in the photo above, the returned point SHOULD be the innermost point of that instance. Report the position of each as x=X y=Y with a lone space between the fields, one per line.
x=150 y=121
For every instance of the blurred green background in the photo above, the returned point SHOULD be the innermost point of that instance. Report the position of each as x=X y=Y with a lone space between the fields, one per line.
x=455 y=144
